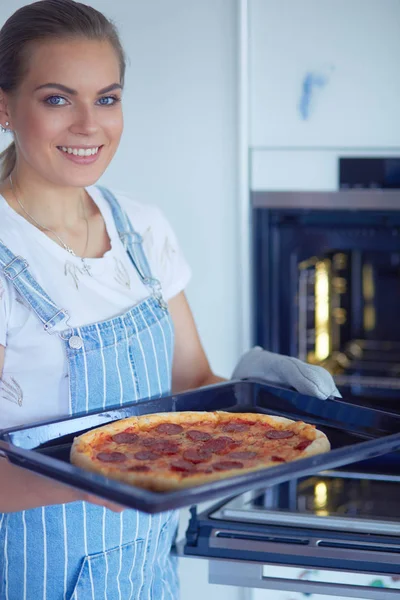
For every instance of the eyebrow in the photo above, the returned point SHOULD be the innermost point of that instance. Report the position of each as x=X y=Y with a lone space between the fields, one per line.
x=67 y=90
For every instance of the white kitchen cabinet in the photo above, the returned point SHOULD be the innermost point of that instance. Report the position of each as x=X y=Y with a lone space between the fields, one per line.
x=324 y=73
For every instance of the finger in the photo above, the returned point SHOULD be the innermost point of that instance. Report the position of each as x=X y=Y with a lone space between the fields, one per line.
x=114 y=507
x=102 y=502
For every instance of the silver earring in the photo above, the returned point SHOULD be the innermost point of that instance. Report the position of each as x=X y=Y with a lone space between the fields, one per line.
x=4 y=129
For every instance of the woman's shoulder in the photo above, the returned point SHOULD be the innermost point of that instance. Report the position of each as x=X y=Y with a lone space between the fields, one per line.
x=6 y=295
x=160 y=244
x=143 y=216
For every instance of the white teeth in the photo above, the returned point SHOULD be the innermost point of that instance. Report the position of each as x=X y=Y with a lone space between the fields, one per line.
x=80 y=151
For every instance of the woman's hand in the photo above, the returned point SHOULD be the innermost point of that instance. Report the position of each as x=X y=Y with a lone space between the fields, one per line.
x=21 y=489
x=287 y=372
x=102 y=502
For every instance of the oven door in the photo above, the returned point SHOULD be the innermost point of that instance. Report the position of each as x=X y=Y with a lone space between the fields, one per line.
x=327 y=290
x=335 y=534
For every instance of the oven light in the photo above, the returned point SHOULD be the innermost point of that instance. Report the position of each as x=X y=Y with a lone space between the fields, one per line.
x=340 y=261
x=322 y=344
x=368 y=283
x=369 y=317
x=320 y=495
x=368 y=286
x=322 y=333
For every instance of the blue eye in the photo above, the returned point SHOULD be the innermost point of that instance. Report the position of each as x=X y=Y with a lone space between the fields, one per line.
x=55 y=100
x=108 y=100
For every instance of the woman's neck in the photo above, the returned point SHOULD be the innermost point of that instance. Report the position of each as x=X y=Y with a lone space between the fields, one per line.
x=52 y=206
x=67 y=215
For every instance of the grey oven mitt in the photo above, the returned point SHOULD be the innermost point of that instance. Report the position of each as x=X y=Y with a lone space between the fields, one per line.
x=286 y=371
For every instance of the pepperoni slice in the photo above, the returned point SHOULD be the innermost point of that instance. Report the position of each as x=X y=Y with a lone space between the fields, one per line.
x=182 y=466
x=148 y=442
x=303 y=445
x=277 y=459
x=139 y=469
x=228 y=464
x=162 y=446
x=243 y=455
x=219 y=444
x=125 y=438
x=111 y=457
x=169 y=428
x=279 y=434
x=235 y=426
x=197 y=455
x=230 y=441
x=198 y=436
x=167 y=448
x=145 y=455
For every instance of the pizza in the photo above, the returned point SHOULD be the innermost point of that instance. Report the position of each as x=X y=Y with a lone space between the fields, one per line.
x=170 y=451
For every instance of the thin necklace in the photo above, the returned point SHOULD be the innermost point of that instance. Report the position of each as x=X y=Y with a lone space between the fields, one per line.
x=62 y=243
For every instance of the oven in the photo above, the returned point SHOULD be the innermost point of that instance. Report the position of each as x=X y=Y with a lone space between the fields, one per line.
x=326 y=289
x=327 y=279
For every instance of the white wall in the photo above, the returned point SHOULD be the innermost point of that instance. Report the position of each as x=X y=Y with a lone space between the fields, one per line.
x=178 y=152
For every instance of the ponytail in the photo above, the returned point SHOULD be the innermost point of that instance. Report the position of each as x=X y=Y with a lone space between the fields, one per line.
x=7 y=161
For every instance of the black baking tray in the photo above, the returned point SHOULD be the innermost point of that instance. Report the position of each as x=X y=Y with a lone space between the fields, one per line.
x=355 y=433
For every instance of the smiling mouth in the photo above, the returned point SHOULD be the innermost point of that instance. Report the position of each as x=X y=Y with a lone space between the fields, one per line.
x=83 y=152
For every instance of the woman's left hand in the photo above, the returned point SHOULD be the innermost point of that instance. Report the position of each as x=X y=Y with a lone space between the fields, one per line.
x=287 y=372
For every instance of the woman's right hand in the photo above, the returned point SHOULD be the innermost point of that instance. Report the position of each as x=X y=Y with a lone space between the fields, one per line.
x=21 y=489
x=102 y=502
x=71 y=494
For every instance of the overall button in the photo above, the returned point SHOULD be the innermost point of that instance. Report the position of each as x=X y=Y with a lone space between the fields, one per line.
x=75 y=342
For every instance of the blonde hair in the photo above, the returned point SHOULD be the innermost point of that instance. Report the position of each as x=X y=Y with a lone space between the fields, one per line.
x=43 y=20
x=7 y=161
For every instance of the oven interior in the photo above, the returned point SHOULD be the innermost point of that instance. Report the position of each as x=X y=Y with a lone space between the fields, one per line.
x=327 y=290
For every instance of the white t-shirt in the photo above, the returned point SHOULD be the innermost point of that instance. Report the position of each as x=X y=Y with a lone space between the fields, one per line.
x=34 y=385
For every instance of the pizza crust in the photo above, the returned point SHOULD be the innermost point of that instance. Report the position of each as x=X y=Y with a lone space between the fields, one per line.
x=83 y=449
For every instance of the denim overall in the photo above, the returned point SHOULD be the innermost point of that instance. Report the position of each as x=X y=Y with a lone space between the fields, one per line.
x=82 y=551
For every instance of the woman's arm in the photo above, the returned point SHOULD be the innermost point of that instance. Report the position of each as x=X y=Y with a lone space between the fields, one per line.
x=2 y=352
x=20 y=489
x=190 y=367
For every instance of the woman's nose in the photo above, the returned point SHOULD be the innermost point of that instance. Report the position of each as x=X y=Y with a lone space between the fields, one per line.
x=84 y=122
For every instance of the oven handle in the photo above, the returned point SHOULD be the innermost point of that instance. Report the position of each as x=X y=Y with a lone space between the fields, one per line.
x=250 y=575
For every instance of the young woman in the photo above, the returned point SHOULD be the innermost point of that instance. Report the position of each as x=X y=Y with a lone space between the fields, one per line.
x=92 y=308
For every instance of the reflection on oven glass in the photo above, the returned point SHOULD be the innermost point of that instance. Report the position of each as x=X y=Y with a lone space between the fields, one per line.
x=335 y=496
x=331 y=496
